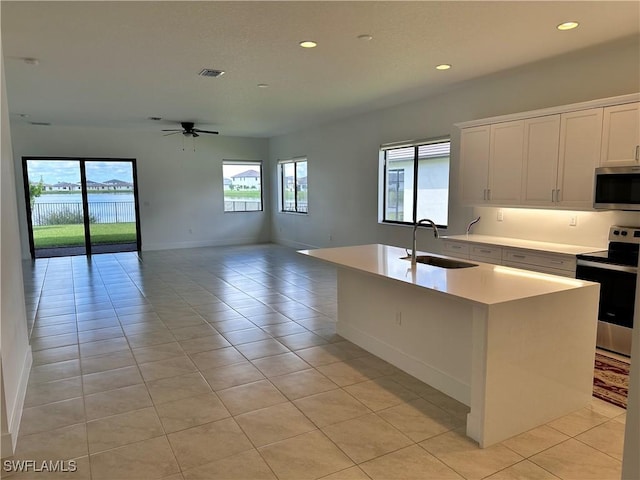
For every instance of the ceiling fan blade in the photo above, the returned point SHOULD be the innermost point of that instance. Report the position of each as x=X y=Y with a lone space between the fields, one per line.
x=172 y=130
x=172 y=133
x=194 y=134
x=204 y=131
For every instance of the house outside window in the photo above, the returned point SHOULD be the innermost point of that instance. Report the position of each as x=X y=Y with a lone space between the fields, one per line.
x=416 y=182
x=242 y=185
x=293 y=188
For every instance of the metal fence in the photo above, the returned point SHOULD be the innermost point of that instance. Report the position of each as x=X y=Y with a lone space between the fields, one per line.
x=290 y=206
x=242 y=205
x=99 y=212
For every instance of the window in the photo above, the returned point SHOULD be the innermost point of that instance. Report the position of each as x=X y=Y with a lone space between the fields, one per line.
x=293 y=185
x=416 y=182
x=242 y=184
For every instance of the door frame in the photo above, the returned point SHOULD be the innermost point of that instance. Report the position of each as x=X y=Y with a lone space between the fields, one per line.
x=84 y=193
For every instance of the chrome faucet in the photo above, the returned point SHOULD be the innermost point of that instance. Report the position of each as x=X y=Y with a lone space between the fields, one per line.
x=415 y=230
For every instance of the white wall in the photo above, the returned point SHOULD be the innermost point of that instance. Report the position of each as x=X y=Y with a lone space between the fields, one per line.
x=15 y=352
x=343 y=156
x=181 y=192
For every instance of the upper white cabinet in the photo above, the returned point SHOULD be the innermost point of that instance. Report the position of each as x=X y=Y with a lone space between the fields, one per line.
x=578 y=157
x=505 y=163
x=491 y=163
x=474 y=161
x=540 y=162
x=621 y=135
x=547 y=158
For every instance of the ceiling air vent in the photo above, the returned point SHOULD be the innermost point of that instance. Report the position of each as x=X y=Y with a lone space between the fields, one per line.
x=46 y=124
x=210 y=72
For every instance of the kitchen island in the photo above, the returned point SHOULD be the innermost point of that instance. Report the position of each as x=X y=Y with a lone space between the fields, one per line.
x=516 y=346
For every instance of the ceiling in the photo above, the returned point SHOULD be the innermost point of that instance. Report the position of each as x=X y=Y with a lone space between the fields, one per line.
x=115 y=64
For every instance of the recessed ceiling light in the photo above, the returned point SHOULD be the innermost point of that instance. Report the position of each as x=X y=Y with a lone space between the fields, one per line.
x=31 y=61
x=44 y=124
x=263 y=85
x=308 y=44
x=365 y=37
x=567 y=26
x=443 y=66
x=155 y=118
x=23 y=115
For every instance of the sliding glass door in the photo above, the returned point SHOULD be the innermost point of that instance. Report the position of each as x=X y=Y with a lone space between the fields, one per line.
x=55 y=204
x=81 y=206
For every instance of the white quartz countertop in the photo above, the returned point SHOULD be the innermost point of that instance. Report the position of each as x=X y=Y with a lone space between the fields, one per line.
x=550 y=247
x=483 y=284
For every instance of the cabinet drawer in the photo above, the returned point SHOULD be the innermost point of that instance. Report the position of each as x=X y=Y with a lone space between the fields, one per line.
x=556 y=262
x=541 y=269
x=456 y=249
x=486 y=253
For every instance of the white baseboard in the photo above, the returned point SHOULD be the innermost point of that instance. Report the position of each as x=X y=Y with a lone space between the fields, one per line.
x=201 y=243
x=294 y=244
x=15 y=416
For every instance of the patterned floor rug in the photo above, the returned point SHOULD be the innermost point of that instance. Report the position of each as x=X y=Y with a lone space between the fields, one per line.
x=611 y=380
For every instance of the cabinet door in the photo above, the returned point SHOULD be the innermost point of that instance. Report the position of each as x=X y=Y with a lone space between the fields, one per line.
x=474 y=164
x=621 y=135
x=580 y=141
x=505 y=163
x=540 y=163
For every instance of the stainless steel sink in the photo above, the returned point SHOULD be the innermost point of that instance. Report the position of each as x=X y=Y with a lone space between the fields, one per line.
x=441 y=262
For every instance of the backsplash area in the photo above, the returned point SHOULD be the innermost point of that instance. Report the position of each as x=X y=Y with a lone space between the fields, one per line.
x=590 y=229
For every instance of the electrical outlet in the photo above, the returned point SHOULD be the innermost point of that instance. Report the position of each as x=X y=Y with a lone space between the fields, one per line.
x=500 y=215
x=573 y=220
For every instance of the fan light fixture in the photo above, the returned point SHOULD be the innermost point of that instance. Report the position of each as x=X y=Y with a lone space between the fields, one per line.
x=443 y=66
x=308 y=44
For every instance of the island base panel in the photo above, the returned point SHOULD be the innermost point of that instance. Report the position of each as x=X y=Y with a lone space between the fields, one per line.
x=518 y=364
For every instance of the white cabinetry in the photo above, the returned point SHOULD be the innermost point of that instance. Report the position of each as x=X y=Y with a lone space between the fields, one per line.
x=561 y=154
x=621 y=135
x=539 y=261
x=540 y=165
x=505 y=163
x=547 y=158
x=578 y=157
x=491 y=163
x=556 y=264
x=474 y=164
x=485 y=253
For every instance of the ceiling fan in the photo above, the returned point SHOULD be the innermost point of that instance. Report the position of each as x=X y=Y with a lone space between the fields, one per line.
x=188 y=130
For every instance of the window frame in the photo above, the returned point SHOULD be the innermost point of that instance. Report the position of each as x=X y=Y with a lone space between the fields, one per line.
x=282 y=185
x=415 y=144
x=249 y=164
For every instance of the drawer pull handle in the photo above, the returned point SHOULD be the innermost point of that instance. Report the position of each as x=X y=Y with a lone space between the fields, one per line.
x=457 y=247
x=557 y=262
x=485 y=251
x=519 y=256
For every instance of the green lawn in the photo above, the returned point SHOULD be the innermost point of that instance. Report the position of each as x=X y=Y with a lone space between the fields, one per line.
x=71 y=235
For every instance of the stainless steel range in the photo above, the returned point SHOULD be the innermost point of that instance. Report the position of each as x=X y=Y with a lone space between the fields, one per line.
x=616 y=269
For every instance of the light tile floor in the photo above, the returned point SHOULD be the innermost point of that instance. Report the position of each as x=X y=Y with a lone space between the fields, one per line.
x=224 y=363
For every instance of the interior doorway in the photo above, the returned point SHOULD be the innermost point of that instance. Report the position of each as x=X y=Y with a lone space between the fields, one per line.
x=81 y=206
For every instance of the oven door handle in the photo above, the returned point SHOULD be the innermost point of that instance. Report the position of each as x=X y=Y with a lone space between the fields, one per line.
x=606 y=266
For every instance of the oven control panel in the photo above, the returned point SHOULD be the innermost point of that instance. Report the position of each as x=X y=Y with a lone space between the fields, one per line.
x=624 y=234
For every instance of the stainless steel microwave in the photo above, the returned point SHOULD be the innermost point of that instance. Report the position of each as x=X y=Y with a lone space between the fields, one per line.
x=617 y=188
